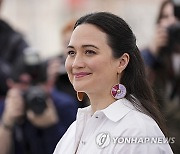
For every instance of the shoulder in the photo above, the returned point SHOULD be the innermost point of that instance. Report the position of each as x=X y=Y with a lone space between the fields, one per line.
x=70 y=132
x=5 y=27
x=139 y=128
x=128 y=120
x=138 y=123
x=140 y=134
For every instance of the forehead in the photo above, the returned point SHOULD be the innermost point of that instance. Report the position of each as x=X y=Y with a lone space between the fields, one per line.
x=88 y=33
x=168 y=8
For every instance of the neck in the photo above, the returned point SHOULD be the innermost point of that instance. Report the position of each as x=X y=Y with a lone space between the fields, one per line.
x=100 y=101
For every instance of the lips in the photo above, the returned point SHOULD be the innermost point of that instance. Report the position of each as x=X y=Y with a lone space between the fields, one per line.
x=81 y=74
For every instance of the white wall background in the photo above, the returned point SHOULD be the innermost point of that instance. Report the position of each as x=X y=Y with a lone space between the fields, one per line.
x=41 y=20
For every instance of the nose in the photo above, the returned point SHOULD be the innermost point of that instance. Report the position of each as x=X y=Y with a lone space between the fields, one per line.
x=78 y=62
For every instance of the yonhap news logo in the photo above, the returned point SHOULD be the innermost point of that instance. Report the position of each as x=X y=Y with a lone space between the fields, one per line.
x=103 y=139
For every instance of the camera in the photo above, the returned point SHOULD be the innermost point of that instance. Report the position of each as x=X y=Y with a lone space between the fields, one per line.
x=173 y=44
x=176 y=8
x=35 y=99
x=31 y=65
x=174 y=30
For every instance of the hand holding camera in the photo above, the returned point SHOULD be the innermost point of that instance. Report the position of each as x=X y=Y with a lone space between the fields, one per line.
x=48 y=118
x=14 y=108
x=160 y=40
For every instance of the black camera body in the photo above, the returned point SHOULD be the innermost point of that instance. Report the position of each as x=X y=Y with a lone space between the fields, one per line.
x=34 y=96
x=35 y=99
x=176 y=8
x=173 y=44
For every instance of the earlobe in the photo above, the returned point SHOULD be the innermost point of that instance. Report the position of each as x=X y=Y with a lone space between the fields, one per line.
x=123 y=62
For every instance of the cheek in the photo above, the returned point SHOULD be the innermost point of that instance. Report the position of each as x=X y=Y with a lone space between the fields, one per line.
x=68 y=66
x=98 y=66
x=105 y=70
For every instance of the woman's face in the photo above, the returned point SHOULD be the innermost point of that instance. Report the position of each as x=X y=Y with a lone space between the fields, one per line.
x=90 y=65
x=168 y=17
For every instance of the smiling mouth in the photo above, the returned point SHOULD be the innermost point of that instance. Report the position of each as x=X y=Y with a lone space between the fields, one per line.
x=81 y=75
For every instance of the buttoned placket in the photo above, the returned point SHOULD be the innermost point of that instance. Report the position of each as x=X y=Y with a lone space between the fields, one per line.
x=91 y=126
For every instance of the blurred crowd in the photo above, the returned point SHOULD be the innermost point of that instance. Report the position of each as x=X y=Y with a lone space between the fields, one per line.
x=38 y=103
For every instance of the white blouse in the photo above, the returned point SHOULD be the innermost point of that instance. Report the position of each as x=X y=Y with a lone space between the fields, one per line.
x=117 y=129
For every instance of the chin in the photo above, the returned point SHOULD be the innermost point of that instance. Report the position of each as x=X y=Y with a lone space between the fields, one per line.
x=80 y=88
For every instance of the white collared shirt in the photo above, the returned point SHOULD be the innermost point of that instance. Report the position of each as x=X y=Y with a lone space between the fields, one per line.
x=117 y=129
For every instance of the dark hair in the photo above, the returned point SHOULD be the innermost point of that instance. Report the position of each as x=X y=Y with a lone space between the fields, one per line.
x=163 y=5
x=122 y=40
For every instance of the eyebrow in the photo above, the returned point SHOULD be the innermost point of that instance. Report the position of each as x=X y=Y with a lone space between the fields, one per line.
x=90 y=45
x=84 y=46
x=69 y=46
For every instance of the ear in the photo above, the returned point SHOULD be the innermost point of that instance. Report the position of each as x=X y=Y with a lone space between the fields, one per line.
x=123 y=62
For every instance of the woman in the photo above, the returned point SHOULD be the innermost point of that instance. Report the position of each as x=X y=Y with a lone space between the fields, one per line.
x=104 y=62
x=162 y=57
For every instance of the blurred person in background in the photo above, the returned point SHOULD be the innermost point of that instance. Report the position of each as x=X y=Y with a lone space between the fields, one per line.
x=35 y=129
x=162 y=60
x=163 y=54
x=34 y=115
x=5 y=130
x=23 y=129
x=12 y=43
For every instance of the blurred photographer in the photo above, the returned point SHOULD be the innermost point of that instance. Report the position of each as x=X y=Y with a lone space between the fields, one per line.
x=35 y=114
x=12 y=45
x=162 y=60
x=162 y=57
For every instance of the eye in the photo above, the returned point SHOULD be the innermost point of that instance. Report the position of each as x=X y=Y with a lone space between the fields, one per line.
x=90 y=52
x=71 y=53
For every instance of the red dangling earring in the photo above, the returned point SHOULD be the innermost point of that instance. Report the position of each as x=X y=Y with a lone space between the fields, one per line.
x=118 y=91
